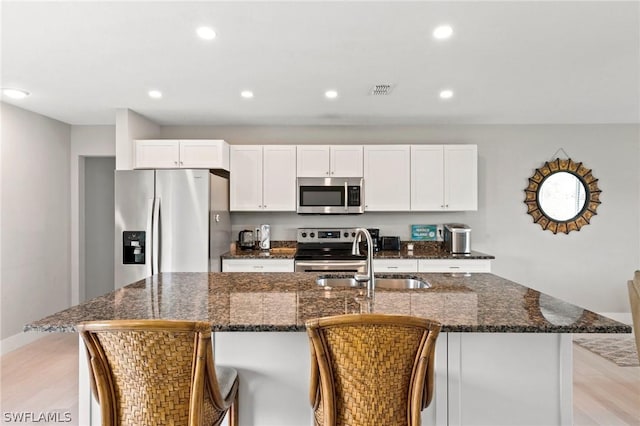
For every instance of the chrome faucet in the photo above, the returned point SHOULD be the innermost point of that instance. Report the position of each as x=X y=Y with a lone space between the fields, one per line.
x=355 y=249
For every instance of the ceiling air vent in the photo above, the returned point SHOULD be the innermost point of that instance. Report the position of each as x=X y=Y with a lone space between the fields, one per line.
x=381 y=89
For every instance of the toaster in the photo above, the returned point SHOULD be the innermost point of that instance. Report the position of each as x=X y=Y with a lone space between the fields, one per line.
x=390 y=243
x=457 y=238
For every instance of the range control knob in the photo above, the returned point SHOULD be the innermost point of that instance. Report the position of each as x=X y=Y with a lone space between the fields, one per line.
x=312 y=235
x=346 y=234
x=353 y=234
x=304 y=235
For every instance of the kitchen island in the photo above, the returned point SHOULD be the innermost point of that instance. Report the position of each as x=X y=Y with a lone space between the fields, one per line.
x=504 y=355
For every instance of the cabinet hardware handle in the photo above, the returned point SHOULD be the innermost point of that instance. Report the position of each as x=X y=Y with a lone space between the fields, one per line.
x=454 y=267
x=175 y=162
x=392 y=267
x=181 y=163
x=258 y=266
x=327 y=173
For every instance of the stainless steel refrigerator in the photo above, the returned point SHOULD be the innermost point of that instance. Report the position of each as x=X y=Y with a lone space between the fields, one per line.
x=169 y=221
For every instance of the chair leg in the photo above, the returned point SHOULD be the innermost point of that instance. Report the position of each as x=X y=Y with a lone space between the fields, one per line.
x=233 y=411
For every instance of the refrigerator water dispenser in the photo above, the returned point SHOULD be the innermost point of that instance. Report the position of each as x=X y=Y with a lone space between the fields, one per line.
x=133 y=246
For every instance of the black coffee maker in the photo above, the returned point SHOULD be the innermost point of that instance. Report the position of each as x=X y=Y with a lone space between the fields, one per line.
x=375 y=236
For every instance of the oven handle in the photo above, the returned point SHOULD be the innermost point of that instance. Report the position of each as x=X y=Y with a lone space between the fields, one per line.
x=331 y=264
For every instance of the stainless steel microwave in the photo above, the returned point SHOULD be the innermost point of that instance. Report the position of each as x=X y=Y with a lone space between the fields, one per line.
x=330 y=195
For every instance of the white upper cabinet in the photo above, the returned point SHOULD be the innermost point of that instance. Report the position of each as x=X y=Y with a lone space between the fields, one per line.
x=279 y=178
x=461 y=177
x=245 y=181
x=444 y=177
x=174 y=154
x=387 y=177
x=329 y=161
x=263 y=178
x=156 y=154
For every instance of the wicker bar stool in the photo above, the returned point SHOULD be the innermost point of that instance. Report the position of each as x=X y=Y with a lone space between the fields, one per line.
x=371 y=369
x=634 y=300
x=156 y=372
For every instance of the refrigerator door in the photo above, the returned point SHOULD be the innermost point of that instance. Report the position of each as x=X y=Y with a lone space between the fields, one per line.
x=220 y=221
x=183 y=231
x=134 y=194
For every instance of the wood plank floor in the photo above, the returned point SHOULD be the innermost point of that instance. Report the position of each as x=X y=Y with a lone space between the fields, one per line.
x=43 y=376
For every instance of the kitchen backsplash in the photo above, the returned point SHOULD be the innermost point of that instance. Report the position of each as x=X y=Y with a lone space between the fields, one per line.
x=284 y=225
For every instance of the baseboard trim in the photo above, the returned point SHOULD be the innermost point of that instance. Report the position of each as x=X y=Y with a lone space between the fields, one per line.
x=16 y=341
x=623 y=317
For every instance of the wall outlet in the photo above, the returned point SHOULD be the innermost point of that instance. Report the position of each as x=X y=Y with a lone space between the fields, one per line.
x=440 y=236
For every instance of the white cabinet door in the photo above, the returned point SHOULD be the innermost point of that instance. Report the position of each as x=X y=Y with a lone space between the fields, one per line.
x=395 y=265
x=245 y=183
x=205 y=154
x=454 y=265
x=257 y=265
x=174 y=154
x=461 y=177
x=156 y=154
x=444 y=177
x=313 y=160
x=427 y=177
x=387 y=178
x=279 y=178
x=346 y=161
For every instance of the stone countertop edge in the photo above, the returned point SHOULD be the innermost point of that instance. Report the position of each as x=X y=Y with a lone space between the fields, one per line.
x=386 y=254
x=482 y=302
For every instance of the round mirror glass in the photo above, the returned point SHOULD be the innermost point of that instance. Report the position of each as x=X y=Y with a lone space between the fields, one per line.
x=562 y=196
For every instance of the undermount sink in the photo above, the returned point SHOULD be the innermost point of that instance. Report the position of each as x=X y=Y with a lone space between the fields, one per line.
x=397 y=282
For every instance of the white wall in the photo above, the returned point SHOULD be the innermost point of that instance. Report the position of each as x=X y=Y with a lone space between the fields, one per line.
x=130 y=126
x=589 y=268
x=35 y=220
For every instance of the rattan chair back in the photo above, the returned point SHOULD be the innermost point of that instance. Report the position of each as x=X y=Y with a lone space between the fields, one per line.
x=155 y=372
x=634 y=301
x=371 y=369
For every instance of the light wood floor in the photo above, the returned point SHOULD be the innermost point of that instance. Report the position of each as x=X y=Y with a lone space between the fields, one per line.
x=43 y=376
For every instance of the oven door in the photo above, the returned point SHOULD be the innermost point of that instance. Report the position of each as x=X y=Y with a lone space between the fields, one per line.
x=327 y=266
x=330 y=195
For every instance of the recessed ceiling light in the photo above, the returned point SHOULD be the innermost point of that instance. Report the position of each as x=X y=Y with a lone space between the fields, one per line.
x=247 y=94
x=446 y=94
x=206 y=33
x=155 y=94
x=443 y=32
x=331 y=94
x=15 y=93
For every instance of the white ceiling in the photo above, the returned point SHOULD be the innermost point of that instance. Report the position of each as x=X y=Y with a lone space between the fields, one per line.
x=508 y=62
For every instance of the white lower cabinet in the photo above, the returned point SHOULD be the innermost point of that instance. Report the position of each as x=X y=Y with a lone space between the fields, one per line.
x=395 y=265
x=454 y=265
x=257 y=265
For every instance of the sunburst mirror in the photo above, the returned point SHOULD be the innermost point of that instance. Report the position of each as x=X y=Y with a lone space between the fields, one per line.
x=562 y=196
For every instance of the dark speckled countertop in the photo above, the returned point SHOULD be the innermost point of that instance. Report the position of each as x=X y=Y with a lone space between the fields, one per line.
x=284 y=301
x=422 y=250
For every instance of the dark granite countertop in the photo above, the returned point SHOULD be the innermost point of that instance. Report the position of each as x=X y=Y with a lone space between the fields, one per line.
x=422 y=250
x=284 y=301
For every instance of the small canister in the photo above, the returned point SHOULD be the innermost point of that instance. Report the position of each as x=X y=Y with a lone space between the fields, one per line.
x=457 y=238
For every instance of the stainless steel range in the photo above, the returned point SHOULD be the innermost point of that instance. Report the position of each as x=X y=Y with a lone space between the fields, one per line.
x=327 y=250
